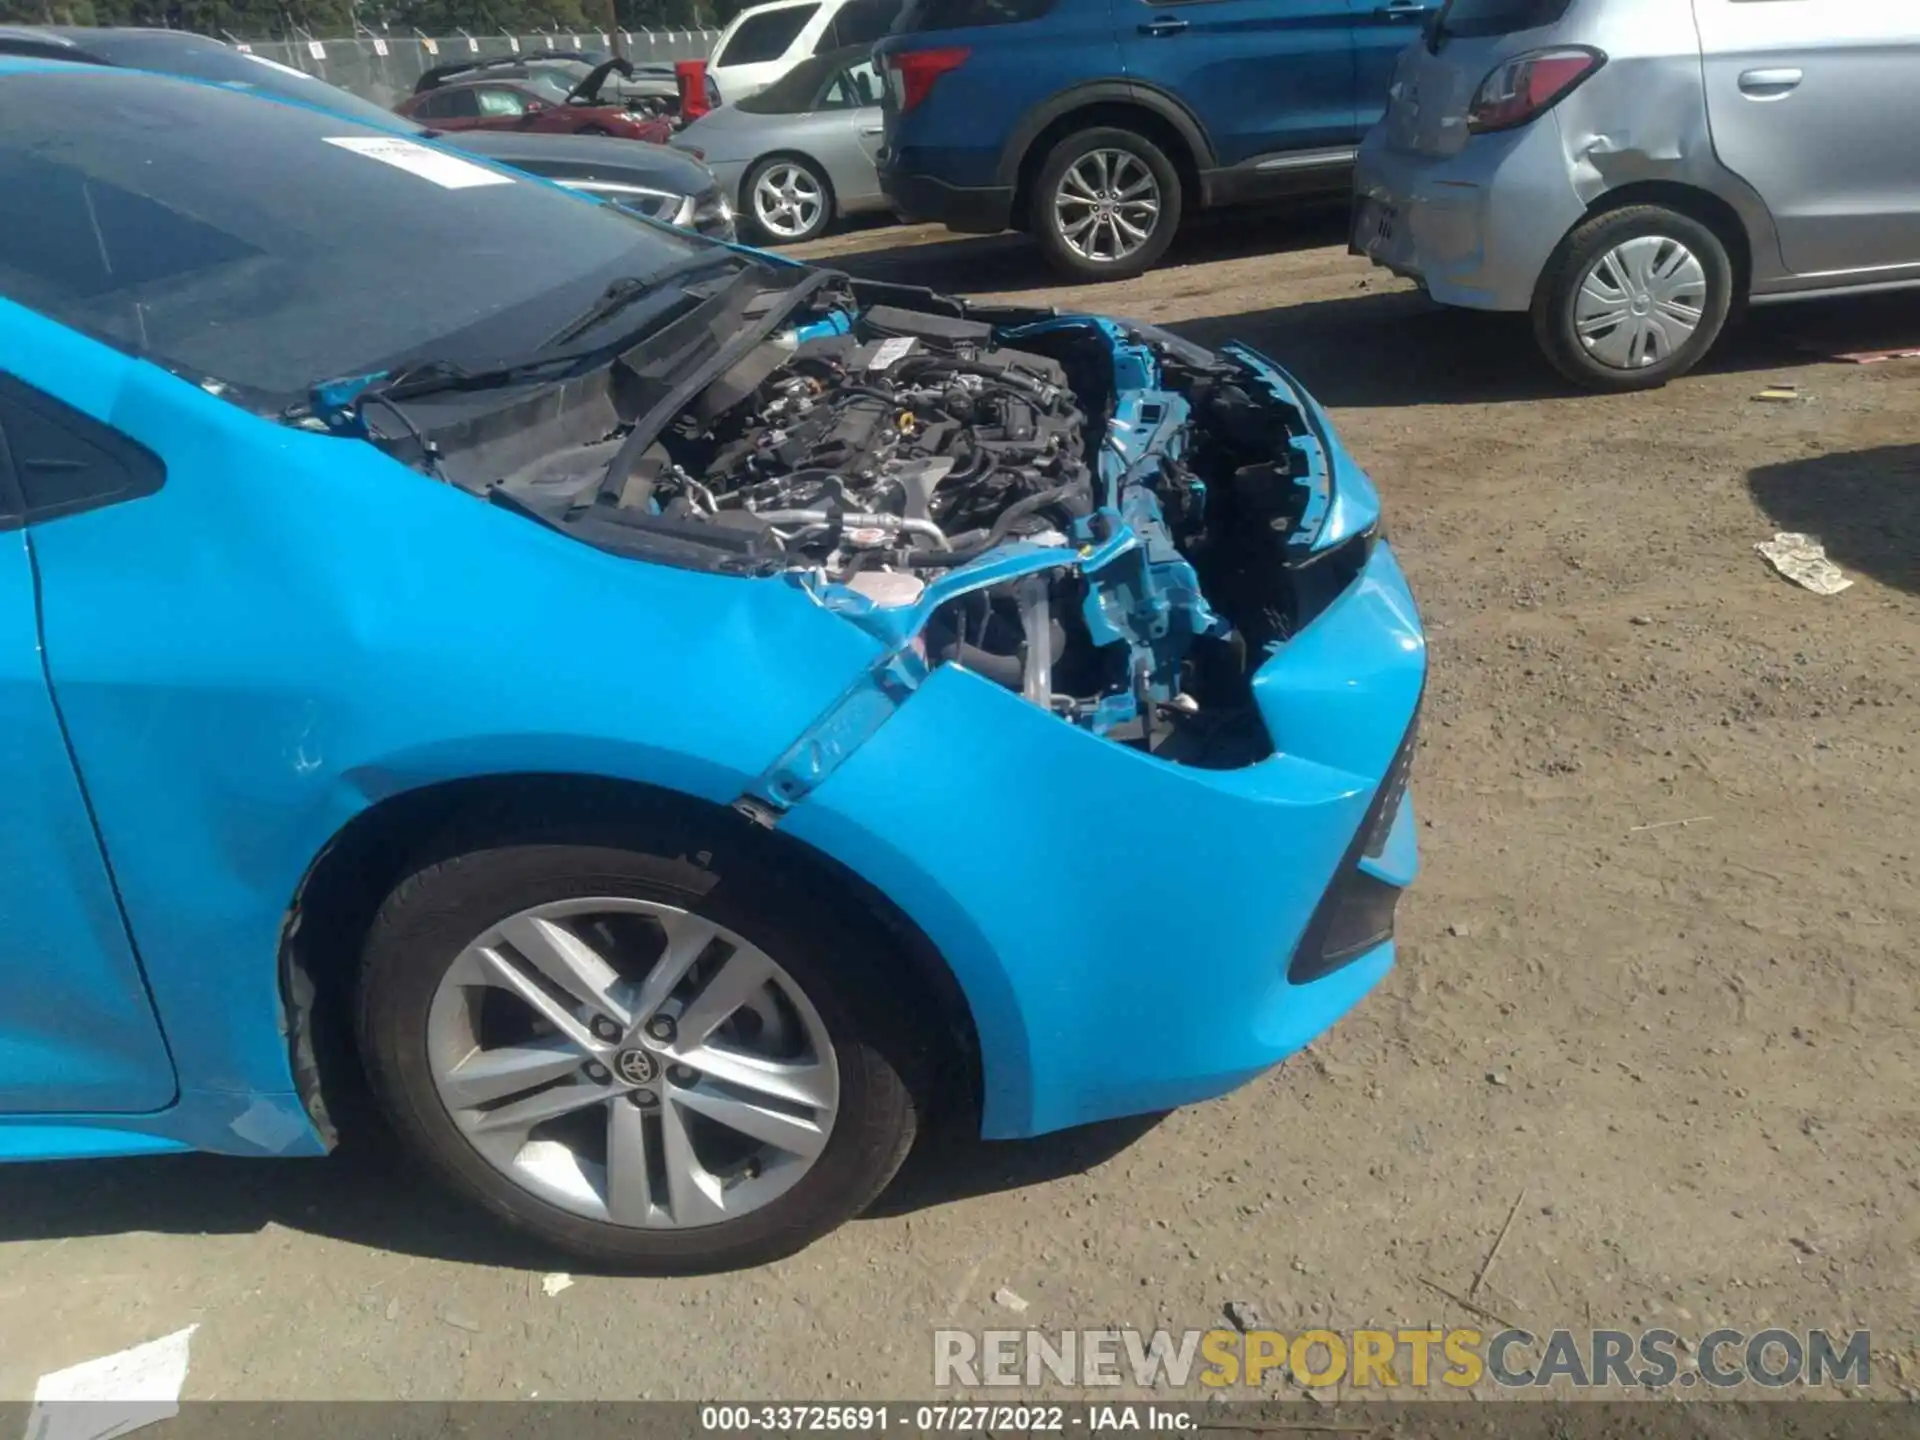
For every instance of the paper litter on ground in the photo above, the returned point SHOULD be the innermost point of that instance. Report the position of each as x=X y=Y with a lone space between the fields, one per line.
x=553 y=1284
x=112 y=1395
x=1803 y=560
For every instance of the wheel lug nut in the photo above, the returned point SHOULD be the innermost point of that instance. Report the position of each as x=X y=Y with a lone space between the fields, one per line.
x=605 y=1028
x=644 y=1098
x=683 y=1075
x=597 y=1073
x=660 y=1028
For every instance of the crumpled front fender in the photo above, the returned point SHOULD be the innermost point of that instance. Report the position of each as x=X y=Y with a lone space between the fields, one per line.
x=1121 y=926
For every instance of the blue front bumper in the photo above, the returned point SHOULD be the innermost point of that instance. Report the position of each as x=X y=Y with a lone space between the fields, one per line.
x=1122 y=927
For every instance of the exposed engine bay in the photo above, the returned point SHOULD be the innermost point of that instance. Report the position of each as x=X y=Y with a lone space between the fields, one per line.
x=1107 y=520
x=873 y=455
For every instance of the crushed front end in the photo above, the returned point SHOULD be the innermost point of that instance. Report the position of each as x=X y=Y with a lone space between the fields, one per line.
x=1132 y=747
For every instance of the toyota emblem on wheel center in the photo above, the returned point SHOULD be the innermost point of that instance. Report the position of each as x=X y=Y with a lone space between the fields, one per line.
x=634 y=1066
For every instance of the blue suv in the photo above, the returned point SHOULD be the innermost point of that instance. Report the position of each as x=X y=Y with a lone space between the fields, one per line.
x=1095 y=124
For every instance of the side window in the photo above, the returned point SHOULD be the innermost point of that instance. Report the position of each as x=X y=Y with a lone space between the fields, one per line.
x=861 y=22
x=495 y=101
x=766 y=36
x=62 y=462
x=852 y=88
x=865 y=81
x=457 y=105
x=838 y=95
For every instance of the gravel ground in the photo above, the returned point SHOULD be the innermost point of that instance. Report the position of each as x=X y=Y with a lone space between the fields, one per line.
x=1656 y=984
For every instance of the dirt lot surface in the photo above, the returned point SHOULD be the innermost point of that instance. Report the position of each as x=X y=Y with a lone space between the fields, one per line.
x=1656 y=983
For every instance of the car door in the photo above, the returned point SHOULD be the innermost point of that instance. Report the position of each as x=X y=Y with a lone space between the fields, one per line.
x=77 y=1027
x=1381 y=30
x=506 y=107
x=852 y=100
x=1264 y=77
x=454 y=109
x=1814 y=103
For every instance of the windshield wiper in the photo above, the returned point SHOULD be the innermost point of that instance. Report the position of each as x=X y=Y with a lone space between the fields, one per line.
x=629 y=288
x=647 y=426
x=435 y=375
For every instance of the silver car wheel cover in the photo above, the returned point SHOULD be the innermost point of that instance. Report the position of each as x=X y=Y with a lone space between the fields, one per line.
x=788 y=200
x=1640 y=302
x=1106 y=205
x=587 y=1107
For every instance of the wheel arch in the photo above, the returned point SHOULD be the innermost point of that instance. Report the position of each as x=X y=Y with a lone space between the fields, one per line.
x=1695 y=203
x=1152 y=112
x=334 y=906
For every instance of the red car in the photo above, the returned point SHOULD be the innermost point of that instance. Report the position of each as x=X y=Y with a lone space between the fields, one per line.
x=532 y=101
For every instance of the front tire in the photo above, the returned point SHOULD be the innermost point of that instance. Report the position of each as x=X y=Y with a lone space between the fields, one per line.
x=1633 y=298
x=1105 y=204
x=786 y=200
x=659 y=1067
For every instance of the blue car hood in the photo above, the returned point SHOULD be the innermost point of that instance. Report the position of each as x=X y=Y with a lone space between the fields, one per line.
x=1111 y=522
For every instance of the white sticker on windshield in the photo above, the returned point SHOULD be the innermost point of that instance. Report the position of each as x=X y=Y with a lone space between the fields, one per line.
x=891 y=352
x=449 y=172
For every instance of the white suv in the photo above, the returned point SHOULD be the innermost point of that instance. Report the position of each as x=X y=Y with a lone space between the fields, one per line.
x=764 y=42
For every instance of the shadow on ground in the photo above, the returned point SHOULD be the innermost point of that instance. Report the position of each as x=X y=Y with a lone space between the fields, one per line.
x=1863 y=505
x=368 y=1193
x=1004 y=264
x=1389 y=348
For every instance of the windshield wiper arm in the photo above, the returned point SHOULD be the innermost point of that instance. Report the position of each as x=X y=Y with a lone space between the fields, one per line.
x=434 y=375
x=629 y=288
x=647 y=427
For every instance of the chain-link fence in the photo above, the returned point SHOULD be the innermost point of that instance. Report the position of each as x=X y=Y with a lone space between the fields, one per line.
x=383 y=69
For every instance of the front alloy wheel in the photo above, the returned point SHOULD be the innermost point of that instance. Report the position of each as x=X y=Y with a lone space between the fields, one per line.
x=695 y=1094
x=661 y=1066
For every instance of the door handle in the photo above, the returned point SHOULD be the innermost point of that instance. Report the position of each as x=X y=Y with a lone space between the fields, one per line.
x=1401 y=13
x=1163 y=25
x=874 y=130
x=1768 y=84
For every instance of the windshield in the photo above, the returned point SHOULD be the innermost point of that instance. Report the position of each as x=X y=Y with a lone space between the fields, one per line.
x=794 y=91
x=202 y=59
x=270 y=247
x=548 y=86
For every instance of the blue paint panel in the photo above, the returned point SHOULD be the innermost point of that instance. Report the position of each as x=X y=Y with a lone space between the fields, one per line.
x=1121 y=926
x=67 y=1140
x=270 y=1124
x=77 y=1031
x=296 y=626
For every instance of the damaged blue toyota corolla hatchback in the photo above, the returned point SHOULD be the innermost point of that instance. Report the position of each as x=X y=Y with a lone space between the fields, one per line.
x=674 y=717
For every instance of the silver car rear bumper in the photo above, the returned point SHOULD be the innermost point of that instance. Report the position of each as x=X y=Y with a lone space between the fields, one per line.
x=1475 y=228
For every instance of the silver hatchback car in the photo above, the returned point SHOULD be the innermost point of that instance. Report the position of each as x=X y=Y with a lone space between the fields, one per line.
x=1631 y=170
